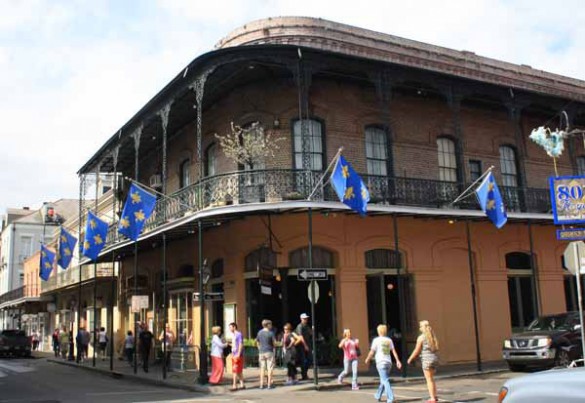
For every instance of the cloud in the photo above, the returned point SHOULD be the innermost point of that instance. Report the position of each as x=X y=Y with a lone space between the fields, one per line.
x=76 y=71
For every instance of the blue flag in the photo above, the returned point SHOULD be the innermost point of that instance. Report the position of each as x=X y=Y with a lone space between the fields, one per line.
x=349 y=187
x=47 y=262
x=96 y=231
x=66 y=245
x=138 y=207
x=490 y=201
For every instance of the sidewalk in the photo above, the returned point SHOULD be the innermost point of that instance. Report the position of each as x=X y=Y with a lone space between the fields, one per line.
x=327 y=376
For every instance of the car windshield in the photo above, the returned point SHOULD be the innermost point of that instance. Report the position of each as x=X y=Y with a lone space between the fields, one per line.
x=555 y=322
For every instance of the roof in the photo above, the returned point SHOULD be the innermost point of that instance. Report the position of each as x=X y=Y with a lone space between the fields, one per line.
x=345 y=39
x=65 y=208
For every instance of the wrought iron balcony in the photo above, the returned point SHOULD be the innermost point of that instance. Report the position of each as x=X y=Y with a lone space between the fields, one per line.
x=66 y=278
x=12 y=295
x=276 y=185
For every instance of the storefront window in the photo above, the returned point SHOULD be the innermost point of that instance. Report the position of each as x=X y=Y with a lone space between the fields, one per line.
x=181 y=316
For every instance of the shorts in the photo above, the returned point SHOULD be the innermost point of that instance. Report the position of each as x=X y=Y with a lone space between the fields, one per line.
x=237 y=365
x=266 y=361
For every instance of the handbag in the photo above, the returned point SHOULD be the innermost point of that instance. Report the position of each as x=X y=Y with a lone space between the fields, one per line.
x=227 y=350
x=358 y=352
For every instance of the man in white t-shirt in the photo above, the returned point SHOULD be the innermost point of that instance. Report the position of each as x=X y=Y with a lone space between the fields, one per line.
x=382 y=350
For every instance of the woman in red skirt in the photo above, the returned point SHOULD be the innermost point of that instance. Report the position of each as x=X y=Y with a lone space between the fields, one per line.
x=217 y=346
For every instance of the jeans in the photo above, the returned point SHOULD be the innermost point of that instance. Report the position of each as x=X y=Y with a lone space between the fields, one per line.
x=384 y=373
x=354 y=369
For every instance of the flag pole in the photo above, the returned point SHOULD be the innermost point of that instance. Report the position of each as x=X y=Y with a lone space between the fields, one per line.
x=331 y=164
x=466 y=192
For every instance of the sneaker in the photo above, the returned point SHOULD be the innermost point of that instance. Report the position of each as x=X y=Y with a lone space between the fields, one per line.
x=340 y=380
x=270 y=386
x=289 y=383
x=355 y=387
x=261 y=387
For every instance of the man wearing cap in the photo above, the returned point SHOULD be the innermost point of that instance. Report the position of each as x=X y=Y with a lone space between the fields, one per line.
x=304 y=351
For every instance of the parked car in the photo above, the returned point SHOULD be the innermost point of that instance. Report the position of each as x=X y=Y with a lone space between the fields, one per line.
x=557 y=385
x=549 y=341
x=14 y=342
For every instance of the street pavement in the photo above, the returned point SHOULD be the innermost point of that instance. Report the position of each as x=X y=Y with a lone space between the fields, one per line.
x=41 y=381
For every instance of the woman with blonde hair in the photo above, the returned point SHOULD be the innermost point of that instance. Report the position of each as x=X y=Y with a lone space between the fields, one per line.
x=350 y=347
x=217 y=346
x=428 y=345
x=381 y=350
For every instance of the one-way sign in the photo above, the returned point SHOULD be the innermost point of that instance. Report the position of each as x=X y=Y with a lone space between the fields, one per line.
x=315 y=274
x=209 y=296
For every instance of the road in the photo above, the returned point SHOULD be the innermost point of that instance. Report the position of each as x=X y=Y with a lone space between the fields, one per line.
x=39 y=381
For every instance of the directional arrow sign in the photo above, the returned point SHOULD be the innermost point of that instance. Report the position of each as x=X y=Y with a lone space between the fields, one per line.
x=315 y=274
x=209 y=296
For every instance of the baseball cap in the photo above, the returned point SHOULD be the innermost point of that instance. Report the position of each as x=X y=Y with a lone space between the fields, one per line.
x=304 y=316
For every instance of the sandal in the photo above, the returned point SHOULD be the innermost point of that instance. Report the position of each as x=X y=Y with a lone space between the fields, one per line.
x=233 y=389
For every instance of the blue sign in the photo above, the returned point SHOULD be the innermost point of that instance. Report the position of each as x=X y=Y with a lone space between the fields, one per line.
x=573 y=234
x=567 y=194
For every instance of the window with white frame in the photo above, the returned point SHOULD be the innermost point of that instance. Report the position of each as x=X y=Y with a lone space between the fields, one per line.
x=376 y=151
x=210 y=159
x=447 y=160
x=580 y=165
x=185 y=179
x=315 y=149
x=508 y=166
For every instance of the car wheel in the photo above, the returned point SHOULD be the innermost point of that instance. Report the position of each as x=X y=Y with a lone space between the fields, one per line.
x=562 y=358
x=516 y=367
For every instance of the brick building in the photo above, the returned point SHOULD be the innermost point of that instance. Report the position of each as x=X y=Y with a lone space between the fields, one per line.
x=418 y=122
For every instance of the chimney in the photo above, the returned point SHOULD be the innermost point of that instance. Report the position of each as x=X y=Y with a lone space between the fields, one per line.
x=26 y=208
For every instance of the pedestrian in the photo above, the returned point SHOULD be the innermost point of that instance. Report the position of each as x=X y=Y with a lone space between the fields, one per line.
x=56 y=343
x=167 y=337
x=350 y=347
x=304 y=349
x=217 y=346
x=290 y=340
x=145 y=344
x=129 y=347
x=237 y=357
x=79 y=344
x=381 y=350
x=265 y=342
x=103 y=342
x=35 y=340
x=428 y=345
x=64 y=342
x=85 y=338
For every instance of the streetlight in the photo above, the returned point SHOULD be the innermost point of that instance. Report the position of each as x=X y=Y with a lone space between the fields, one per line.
x=204 y=276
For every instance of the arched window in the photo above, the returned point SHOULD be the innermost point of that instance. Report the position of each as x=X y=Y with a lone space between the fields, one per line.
x=217 y=268
x=377 y=151
x=210 y=157
x=447 y=160
x=580 y=165
x=315 y=149
x=508 y=166
x=184 y=177
x=322 y=258
x=383 y=259
x=518 y=261
x=261 y=257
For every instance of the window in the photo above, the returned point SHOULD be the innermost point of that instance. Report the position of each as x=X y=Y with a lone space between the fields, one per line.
x=217 y=269
x=262 y=257
x=383 y=259
x=521 y=293
x=315 y=149
x=447 y=160
x=26 y=243
x=376 y=151
x=210 y=157
x=508 y=166
x=184 y=174
x=580 y=165
x=474 y=170
x=322 y=258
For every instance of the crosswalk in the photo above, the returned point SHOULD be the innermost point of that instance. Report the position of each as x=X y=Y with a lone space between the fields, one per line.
x=8 y=368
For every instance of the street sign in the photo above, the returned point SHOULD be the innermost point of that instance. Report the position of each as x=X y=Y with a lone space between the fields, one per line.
x=316 y=291
x=566 y=193
x=573 y=234
x=314 y=274
x=139 y=302
x=574 y=253
x=265 y=274
x=209 y=296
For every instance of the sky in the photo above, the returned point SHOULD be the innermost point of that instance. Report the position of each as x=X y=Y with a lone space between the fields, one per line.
x=72 y=72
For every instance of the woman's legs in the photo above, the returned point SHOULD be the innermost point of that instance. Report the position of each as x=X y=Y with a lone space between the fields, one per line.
x=354 y=373
x=431 y=385
x=384 y=373
x=345 y=371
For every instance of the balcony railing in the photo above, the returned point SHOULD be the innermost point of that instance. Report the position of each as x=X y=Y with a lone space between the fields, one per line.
x=11 y=295
x=277 y=185
x=65 y=278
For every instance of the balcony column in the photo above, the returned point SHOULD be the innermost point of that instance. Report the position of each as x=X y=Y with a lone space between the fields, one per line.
x=97 y=180
x=515 y=116
x=113 y=285
x=136 y=135
x=164 y=116
x=384 y=84
x=80 y=244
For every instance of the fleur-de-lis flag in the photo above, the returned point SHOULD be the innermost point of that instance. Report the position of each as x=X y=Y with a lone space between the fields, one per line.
x=66 y=246
x=47 y=263
x=349 y=187
x=490 y=201
x=95 y=236
x=138 y=207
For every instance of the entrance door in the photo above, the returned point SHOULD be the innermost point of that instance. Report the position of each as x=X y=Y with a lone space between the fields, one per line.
x=384 y=306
